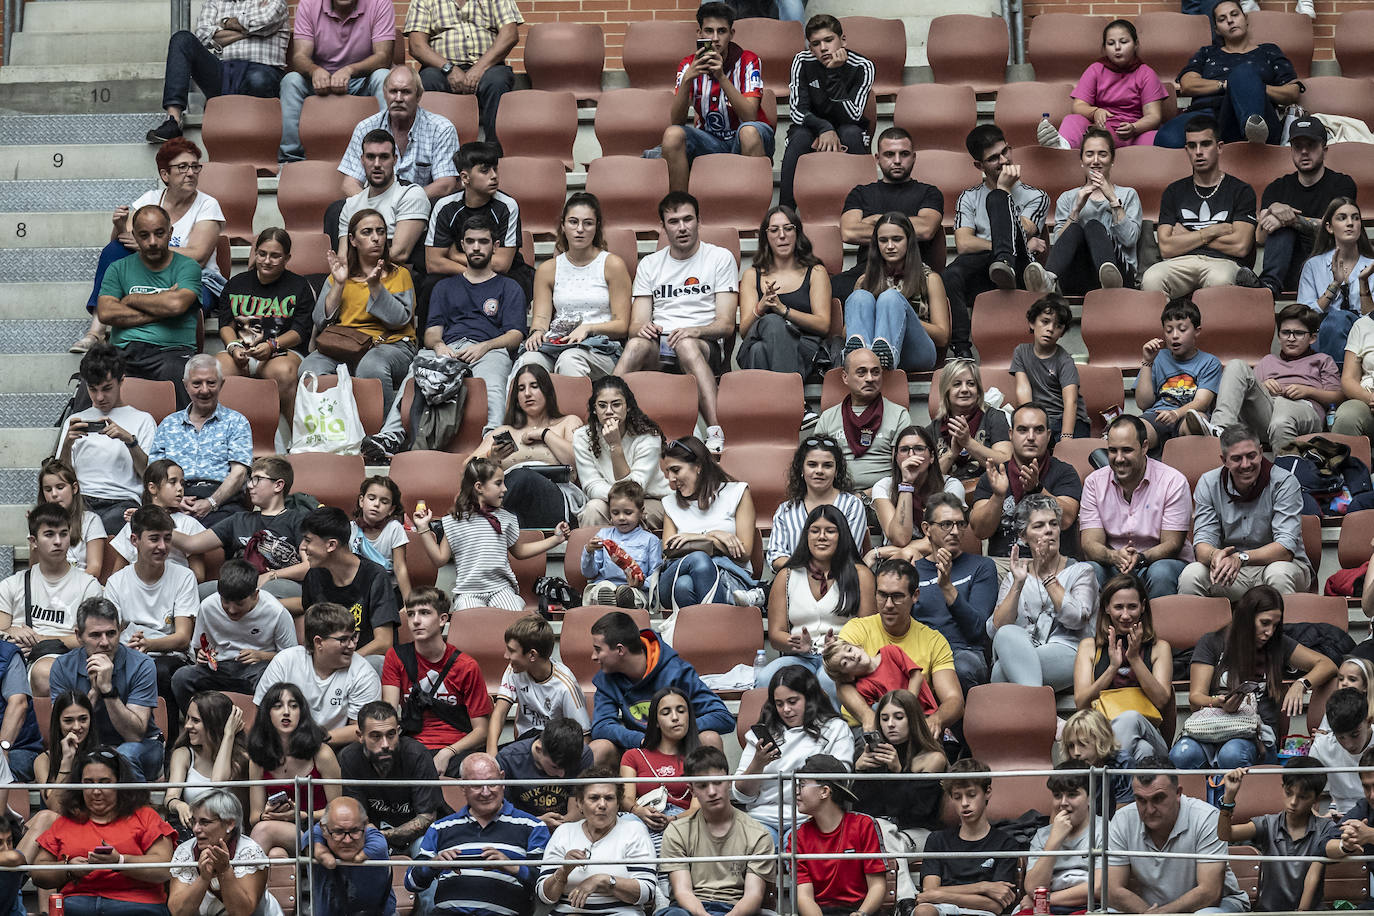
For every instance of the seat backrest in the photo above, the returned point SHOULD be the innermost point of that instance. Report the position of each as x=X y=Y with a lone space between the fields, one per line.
x=751 y=704
x=1010 y=725
x=304 y=191
x=1062 y=45
x=1357 y=533
x=827 y=245
x=1303 y=607
x=882 y=41
x=1193 y=456
x=538 y=122
x=482 y=636
x=1359 y=445
x=1148 y=170
x=155 y=398
x=654 y=48
x=572 y=393
x=716 y=637
x=332 y=479
x=1117 y=322
x=575 y=637
x=235 y=186
x=460 y=109
x=1247 y=871
x=775 y=41
x=1290 y=31
x=629 y=121
x=1239 y=321
x=621 y=241
x=1339 y=95
x=241 y=129
x=671 y=400
x=895 y=388
x=327 y=123
x=1020 y=106
x=1349 y=158
x=256 y=399
x=999 y=324
x=629 y=189
x=572 y=557
x=567 y=56
x=1100 y=388
x=972 y=50
x=427 y=475
x=758 y=406
x=1354 y=43
x=1312 y=539
x=952 y=171
x=764 y=465
x=367 y=394
x=1051 y=170
x=1075 y=452
x=823 y=180
x=735 y=190
x=1181 y=620
x=537 y=183
x=308 y=253
x=1169 y=39
x=937 y=115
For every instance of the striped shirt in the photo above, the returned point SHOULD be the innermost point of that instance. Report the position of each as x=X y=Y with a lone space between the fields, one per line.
x=268 y=24
x=789 y=520
x=536 y=703
x=625 y=852
x=971 y=210
x=516 y=835
x=481 y=558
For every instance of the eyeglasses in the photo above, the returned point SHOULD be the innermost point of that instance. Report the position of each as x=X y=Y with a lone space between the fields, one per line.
x=782 y=230
x=340 y=833
x=1294 y=334
x=1004 y=153
x=951 y=524
x=820 y=441
x=182 y=168
x=259 y=478
x=912 y=450
x=345 y=639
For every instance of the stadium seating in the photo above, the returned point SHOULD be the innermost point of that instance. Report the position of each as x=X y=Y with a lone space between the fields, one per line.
x=538 y=123
x=716 y=637
x=827 y=245
x=1181 y=620
x=566 y=56
x=1149 y=170
x=757 y=406
x=937 y=116
x=256 y=399
x=1117 y=323
x=1193 y=456
x=304 y=191
x=1239 y=322
x=953 y=172
x=575 y=637
x=480 y=633
x=156 y=398
x=999 y=324
x=367 y=392
x=1309 y=608
x=427 y=476
x=733 y=190
x=241 y=129
x=630 y=121
x=332 y=479
x=308 y=253
x=776 y=42
x=1075 y=452
x=1010 y=726
x=1100 y=388
x=1290 y=31
x=1020 y=107
x=1062 y=45
x=764 y=465
x=882 y=41
x=1053 y=171
x=235 y=186
x=969 y=50
x=671 y=400
x=1339 y=95
x=538 y=186
x=1355 y=161
x=572 y=393
x=654 y=48
x=622 y=242
x=1168 y=40
x=1354 y=43
x=460 y=109
x=823 y=180
x=1357 y=538
x=327 y=123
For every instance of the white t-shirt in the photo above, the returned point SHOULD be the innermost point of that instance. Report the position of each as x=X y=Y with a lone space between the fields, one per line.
x=184 y=523
x=398 y=202
x=105 y=466
x=536 y=703
x=153 y=608
x=54 y=603
x=1361 y=343
x=334 y=701
x=266 y=628
x=720 y=517
x=204 y=207
x=91 y=530
x=379 y=549
x=684 y=292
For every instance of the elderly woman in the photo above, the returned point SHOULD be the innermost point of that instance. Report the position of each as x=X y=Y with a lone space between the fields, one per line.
x=1046 y=604
x=618 y=442
x=205 y=879
x=1238 y=80
x=618 y=877
x=97 y=825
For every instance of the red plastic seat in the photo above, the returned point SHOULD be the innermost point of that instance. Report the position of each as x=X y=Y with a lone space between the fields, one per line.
x=776 y=42
x=1307 y=608
x=1181 y=620
x=630 y=121
x=575 y=637
x=951 y=171
x=894 y=388
x=308 y=252
x=671 y=400
x=427 y=475
x=1193 y=456
x=481 y=633
x=256 y=399
x=1239 y=321
x=235 y=186
x=566 y=56
x=629 y=189
x=1357 y=539
x=156 y=398
x=1340 y=95
x=1168 y=40
x=242 y=130
x=1051 y=170
x=882 y=41
x=304 y=191
x=461 y=111
x=327 y=123
x=1021 y=105
x=1256 y=164
x=1290 y=31
x=714 y=638
x=761 y=407
x=1148 y=170
x=367 y=393
x=572 y=393
x=1117 y=322
x=823 y=180
x=1010 y=726
x=827 y=245
x=654 y=48
x=1354 y=42
x=764 y=466
x=969 y=50
x=332 y=479
x=733 y=190
x=1354 y=160
x=1062 y=45
x=937 y=115
x=1359 y=445
x=1100 y=388
x=538 y=185
x=622 y=242
x=999 y=324
x=538 y=123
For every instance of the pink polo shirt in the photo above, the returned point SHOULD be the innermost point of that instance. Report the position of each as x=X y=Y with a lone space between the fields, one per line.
x=340 y=41
x=1161 y=502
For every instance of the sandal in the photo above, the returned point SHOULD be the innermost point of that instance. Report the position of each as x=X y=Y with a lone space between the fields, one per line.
x=85 y=344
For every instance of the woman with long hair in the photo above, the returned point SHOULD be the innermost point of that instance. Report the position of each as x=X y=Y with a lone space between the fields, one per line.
x=210 y=750
x=1125 y=670
x=1335 y=279
x=72 y=733
x=285 y=742
x=800 y=721
x=368 y=293
x=820 y=587
x=968 y=434
x=900 y=498
x=817 y=477
x=57 y=483
x=264 y=318
x=898 y=308
x=535 y=432
x=1248 y=658
x=1118 y=93
x=618 y=442
x=708 y=529
x=784 y=299
x=581 y=307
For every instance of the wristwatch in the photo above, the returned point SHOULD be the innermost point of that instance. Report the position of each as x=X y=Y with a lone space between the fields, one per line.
x=1243 y=557
x=1306 y=685
x=446 y=69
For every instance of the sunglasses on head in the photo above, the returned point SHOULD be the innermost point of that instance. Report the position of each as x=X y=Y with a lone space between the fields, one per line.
x=820 y=442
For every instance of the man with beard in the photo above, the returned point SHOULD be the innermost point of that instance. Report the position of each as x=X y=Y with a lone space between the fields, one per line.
x=381 y=754
x=898 y=191
x=1136 y=513
x=403 y=205
x=864 y=423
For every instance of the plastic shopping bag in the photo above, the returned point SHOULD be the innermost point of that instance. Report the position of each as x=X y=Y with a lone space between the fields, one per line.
x=326 y=421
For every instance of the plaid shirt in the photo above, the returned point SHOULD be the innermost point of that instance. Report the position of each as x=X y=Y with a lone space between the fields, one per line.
x=428 y=154
x=461 y=32
x=268 y=24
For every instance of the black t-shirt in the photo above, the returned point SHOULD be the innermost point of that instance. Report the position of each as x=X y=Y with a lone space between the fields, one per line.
x=388 y=804
x=260 y=311
x=446 y=226
x=1211 y=650
x=1311 y=202
x=279 y=544
x=1231 y=201
x=1059 y=479
x=370 y=597
x=909 y=197
x=976 y=867
x=517 y=762
x=992 y=430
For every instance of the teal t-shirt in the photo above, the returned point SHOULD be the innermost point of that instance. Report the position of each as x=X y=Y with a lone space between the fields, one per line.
x=130 y=275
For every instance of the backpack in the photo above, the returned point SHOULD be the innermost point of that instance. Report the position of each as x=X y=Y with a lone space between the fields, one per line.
x=1329 y=475
x=420 y=701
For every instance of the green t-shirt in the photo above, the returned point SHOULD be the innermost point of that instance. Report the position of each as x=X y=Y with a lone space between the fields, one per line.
x=130 y=275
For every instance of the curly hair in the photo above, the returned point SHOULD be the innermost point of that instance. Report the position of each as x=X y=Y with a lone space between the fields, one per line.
x=796 y=481
x=637 y=422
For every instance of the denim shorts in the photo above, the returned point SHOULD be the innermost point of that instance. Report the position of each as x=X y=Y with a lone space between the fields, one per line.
x=700 y=143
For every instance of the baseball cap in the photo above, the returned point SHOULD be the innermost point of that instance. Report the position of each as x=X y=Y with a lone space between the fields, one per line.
x=827 y=763
x=1309 y=127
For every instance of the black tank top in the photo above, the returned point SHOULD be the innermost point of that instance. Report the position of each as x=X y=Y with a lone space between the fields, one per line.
x=799 y=300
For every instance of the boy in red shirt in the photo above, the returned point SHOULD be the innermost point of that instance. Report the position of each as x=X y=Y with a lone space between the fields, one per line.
x=826 y=887
x=862 y=679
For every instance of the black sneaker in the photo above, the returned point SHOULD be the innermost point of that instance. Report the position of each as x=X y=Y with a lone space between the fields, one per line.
x=961 y=350
x=165 y=131
x=379 y=449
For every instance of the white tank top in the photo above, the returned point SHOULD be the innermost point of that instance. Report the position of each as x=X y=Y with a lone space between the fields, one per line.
x=817 y=615
x=691 y=519
x=580 y=294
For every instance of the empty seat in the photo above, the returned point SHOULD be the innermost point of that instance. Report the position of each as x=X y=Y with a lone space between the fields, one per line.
x=1257 y=164
x=538 y=186
x=567 y=56
x=670 y=400
x=332 y=479
x=1239 y=321
x=1148 y=170
x=882 y=41
x=952 y=171
x=308 y=253
x=429 y=476
x=734 y=190
x=538 y=122
x=1193 y=456
x=938 y=116
x=714 y=638
x=256 y=399
x=654 y=48
x=1062 y=45
x=630 y=121
x=572 y=393
x=1100 y=389
x=1168 y=40
x=572 y=564
x=622 y=242
x=481 y=633
x=894 y=388
x=629 y=189
x=575 y=637
x=1354 y=43
x=1181 y=620
x=999 y=324
x=1117 y=322
x=1010 y=726
x=460 y=109
x=1354 y=160
x=1357 y=533
x=1051 y=170
x=156 y=398
x=242 y=130
x=1339 y=95
x=327 y=123
x=757 y=406
x=776 y=42
x=1290 y=31
x=764 y=466
x=751 y=704
x=1308 y=608
x=823 y=180
x=969 y=50
x=304 y=191
x=235 y=186
x=1075 y=452
x=1021 y=105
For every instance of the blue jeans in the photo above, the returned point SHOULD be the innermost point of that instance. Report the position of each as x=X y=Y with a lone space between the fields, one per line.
x=813 y=662
x=700 y=143
x=296 y=88
x=1188 y=754
x=1244 y=97
x=691 y=580
x=1334 y=331
x=891 y=318
x=90 y=905
x=144 y=758
x=188 y=59
x=1160 y=577
x=21 y=763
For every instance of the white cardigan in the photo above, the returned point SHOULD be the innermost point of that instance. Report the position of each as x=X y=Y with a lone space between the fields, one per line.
x=595 y=475
x=797 y=746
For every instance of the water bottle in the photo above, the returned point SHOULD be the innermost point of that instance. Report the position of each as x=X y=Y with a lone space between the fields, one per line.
x=760 y=662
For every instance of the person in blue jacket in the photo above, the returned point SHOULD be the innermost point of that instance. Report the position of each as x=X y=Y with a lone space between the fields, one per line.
x=18 y=725
x=636 y=664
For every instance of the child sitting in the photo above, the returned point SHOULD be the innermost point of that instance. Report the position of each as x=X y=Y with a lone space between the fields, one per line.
x=1066 y=877
x=164 y=484
x=1347 y=715
x=958 y=885
x=608 y=582
x=1295 y=831
x=57 y=484
x=1175 y=376
x=378 y=532
x=1045 y=372
x=538 y=687
x=863 y=679
x=1088 y=738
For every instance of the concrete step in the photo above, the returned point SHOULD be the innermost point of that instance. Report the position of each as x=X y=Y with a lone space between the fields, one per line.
x=68 y=16
x=67 y=162
x=45 y=372
x=43 y=230
x=44 y=300
x=80 y=195
x=95 y=88
x=88 y=47
x=22 y=450
x=62 y=265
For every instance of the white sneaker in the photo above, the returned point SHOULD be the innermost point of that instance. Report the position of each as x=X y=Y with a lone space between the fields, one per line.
x=715 y=440
x=1307 y=9
x=1039 y=280
x=1256 y=129
x=1198 y=425
x=1049 y=136
x=1249 y=6
x=749 y=597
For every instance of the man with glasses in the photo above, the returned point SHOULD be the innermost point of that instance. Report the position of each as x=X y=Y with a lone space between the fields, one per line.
x=958 y=590
x=997 y=231
x=865 y=423
x=1136 y=512
x=893 y=625
x=345 y=838
x=336 y=681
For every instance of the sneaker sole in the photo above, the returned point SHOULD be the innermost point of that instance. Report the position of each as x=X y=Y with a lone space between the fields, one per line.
x=1036 y=279
x=1002 y=276
x=1109 y=277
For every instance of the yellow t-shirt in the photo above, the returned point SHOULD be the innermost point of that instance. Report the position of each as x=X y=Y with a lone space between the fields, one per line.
x=353 y=308
x=926 y=645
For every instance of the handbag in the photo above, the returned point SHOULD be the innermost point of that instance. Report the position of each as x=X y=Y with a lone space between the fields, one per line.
x=1215 y=725
x=1116 y=700
x=343 y=345
x=326 y=421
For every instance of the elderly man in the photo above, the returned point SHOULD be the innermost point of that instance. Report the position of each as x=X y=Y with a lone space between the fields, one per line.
x=1032 y=469
x=344 y=837
x=340 y=47
x=462 y=48
x=121 y=684
x=381 y=755
x=148 y=299
x=213 y=444
x=425 y=142
x=488 y=829
x=1136 y=513
x=865 y=424
x=957 y=590
x=893 y=626
x=1163 y=819
x=1247 y=525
